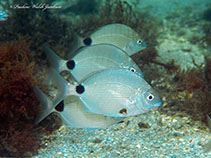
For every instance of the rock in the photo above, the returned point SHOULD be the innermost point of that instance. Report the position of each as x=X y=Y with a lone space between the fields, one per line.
x=184 y=54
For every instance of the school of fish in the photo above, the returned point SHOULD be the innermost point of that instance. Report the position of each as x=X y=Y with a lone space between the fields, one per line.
x=108 y=84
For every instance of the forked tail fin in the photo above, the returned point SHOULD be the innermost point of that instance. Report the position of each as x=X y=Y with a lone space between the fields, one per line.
x=75 y=44
x=45 y=107
x=54 y=60
x=64 y=88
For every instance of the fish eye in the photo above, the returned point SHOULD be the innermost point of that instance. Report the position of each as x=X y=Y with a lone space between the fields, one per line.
x=139 y=41
x=150 y=97
x=132 y=69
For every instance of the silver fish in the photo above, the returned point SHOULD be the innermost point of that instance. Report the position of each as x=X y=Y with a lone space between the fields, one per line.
x=119 y=35
x=90 y=59
x=72 y=113
x=112 y=92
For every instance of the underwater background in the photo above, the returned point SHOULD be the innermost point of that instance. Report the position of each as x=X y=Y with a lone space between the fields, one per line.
x=177 y=63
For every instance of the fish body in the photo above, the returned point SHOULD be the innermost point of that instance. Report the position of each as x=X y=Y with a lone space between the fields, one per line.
x=73 y=114
x=111 y=92
x=94 y=58
x=3 y=15
x=120 y=35
x=117 y=92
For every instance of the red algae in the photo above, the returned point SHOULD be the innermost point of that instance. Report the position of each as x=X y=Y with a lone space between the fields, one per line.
x=18 y=103
x=191 y=92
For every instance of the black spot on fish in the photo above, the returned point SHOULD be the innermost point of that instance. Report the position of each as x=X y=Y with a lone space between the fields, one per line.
x=60 y=106
x=123 y=111
x=87 y=41
x=70 y=64
x=80 y=89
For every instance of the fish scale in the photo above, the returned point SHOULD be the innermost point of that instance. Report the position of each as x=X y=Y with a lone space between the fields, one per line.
x=93 y=58
x=118 y=90
x=119 y=35
x=100 y=98
x=109 y=92
x=116 y=95
x=73 y=114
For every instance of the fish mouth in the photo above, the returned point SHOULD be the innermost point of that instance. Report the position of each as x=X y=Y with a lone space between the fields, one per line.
x=154 y=106
x=144 y=45
x=140 y=74
x=158 y=104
